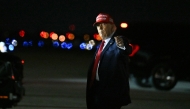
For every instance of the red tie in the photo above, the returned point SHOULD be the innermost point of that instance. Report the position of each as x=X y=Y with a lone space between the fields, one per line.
x=97 y=61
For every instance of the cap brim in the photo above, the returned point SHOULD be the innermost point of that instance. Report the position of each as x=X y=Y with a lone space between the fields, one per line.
x=96 y=23
x=101 y=22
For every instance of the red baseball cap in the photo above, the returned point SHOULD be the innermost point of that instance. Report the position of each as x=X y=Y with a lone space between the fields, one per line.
x=103 y=18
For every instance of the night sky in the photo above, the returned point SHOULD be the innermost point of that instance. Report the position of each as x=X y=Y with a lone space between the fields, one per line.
x=57 y=15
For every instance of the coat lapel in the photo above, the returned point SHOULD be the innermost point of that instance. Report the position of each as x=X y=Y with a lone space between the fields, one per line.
x=107 y=46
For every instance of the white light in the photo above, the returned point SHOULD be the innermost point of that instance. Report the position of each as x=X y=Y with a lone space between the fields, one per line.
x=11 y=47
x=89 y=46
x=14 y=42
x=2 y=44
x=4 y=49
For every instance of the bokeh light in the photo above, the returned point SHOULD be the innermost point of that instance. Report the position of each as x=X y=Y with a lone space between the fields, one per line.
x=54 y=36
x=92 y=42
x=21 y=33
x=70 y=36
x=72 y=27
x=124 y=25
x=61 y=38
x=40 y=43
x=14 y=42
x=7 y=41
x=86 y=37
x=4 y=49
x=82 y=46
x=25 y=44
x=69 y=45
x=11 y=47
x=2 y=44
x=63 y=45
x=30 y=43
x=50 y=34
x=97 y=37
x=44 y=34
x=55 y=44
x=89 y=46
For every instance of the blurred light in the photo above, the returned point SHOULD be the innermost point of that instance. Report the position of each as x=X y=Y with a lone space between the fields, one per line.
x=63 y=45
x=22 y=61
x=83 y=46
x=72 y=27
x=14 y=42
x=54 y=36
x=4 y=49
x=25 y=44
x=135 y=48
x=13 y=77
x=86 y=37
x=50 y=34
x=55 y=44
x=89 y=47
x=40 y=43
x=44 y=34
x=124 y=25
x=4 y=97
x=47 y=35
x=21 y=33
x=11 y=47
x=97 y=37
x=30 y=43
x=70 y=36
x=7 y=41
x=2 y=44
x=92 y=42
x=61 y=38
x=69 y=45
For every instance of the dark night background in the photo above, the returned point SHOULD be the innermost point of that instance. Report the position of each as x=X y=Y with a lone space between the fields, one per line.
x=151 y=23
x=162 y=26
x=57 y=15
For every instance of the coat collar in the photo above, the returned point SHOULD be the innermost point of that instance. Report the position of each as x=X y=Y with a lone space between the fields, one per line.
x=111 y=41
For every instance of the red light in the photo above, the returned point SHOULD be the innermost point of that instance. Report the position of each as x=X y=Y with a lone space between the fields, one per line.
x=72 y=27
x=135 y=48
x=13 y=77
x=22 y=61
x=97 y=37
x=70 y=36
x=50 y=34
x=21 y=33
x=44 y=34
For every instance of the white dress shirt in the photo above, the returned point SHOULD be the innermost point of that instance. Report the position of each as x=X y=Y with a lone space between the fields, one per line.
x=105 y=43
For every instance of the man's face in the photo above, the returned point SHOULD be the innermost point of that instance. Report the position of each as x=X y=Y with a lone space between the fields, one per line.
x=105 y=29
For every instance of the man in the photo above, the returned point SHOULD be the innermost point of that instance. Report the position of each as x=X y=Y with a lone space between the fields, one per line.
x=107 y=80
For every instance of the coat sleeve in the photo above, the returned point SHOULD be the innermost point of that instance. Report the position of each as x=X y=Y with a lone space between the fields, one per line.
x=128 y=48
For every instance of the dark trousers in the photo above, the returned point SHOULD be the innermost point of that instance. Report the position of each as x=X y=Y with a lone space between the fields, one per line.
x=98 y=103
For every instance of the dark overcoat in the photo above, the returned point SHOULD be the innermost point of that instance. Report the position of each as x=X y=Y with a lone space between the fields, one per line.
x=113 y=75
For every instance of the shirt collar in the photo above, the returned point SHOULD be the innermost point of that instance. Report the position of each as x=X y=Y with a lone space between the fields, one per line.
x=108 y=39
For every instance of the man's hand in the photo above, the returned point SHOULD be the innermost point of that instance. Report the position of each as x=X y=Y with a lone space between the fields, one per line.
x=119 y=41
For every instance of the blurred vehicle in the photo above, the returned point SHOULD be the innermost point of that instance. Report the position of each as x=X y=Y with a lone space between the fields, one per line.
x=11 y=76
x=161 y=53
x=160 y=62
